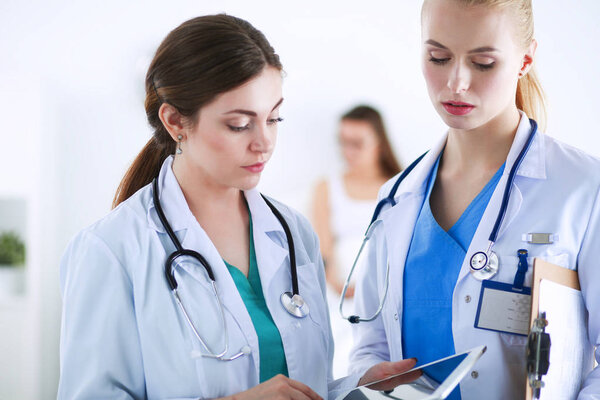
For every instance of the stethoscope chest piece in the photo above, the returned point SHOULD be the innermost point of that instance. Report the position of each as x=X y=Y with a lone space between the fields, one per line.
x=294 y=304
x=484 y=266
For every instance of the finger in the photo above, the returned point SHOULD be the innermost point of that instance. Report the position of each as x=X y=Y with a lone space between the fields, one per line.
x=397 y=367
x=391 y=383
x=304 y=389
x=388 y=369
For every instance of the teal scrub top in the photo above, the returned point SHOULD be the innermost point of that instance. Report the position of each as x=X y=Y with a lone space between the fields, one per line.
x=431 y=270
x=272 y=356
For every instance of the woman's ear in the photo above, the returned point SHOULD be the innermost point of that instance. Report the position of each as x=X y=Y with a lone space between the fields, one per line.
x=528 y=58
x=172 y=121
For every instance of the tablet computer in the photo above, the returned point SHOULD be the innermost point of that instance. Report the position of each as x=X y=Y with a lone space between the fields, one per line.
x=438 y=380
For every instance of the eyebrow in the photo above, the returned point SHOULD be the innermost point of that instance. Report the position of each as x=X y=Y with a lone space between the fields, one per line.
x=484 y=49
x=251 y=113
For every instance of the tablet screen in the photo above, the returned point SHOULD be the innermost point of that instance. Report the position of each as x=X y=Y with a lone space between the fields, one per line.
x=438 y=379
x=435 y=372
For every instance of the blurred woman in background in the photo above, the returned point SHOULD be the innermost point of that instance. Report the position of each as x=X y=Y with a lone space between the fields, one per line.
x=342 y=207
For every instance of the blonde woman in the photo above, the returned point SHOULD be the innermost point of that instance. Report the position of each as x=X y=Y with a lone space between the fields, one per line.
x=493 y=178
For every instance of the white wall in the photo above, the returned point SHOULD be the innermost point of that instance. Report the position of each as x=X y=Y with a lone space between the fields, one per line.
x=71 y=106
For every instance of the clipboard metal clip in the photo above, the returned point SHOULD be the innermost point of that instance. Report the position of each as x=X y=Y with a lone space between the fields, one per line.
x=538 y=354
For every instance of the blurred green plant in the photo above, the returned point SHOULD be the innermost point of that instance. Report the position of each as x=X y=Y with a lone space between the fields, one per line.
x=12 y=250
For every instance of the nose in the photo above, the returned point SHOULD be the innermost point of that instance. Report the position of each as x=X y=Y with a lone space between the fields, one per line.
x=263 y=139
x=459 y=79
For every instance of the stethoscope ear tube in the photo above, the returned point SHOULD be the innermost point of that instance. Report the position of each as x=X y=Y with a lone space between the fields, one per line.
x=181 y=253
x=390 y=197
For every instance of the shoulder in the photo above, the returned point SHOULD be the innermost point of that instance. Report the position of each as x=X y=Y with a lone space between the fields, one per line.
x=322 y=188
x=570 y=164
x=113 y=235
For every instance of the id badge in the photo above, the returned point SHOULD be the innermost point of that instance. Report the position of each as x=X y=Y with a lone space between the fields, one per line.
x=503 y=308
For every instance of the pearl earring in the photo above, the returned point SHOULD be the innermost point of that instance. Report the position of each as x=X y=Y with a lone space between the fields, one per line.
x=179 y=151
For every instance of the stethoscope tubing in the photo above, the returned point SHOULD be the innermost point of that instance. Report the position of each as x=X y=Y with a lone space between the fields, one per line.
x=510 y=181
x=299 y=311
x=290 y=240
x=390 y=200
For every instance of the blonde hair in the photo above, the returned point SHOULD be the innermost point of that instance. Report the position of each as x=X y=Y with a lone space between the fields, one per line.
x=530 y=96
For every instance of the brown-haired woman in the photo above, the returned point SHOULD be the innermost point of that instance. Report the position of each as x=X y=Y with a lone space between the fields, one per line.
x=182 y=291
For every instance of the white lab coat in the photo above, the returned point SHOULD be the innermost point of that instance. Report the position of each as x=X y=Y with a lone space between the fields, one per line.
x=556 y=190
x=123 y=335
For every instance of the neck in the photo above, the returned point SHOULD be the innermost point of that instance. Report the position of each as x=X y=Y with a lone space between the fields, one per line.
x=484 y=148
x=205 y=197
x=371 y=172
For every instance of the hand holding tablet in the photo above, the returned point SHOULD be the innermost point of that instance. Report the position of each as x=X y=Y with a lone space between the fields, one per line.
x=431 y=381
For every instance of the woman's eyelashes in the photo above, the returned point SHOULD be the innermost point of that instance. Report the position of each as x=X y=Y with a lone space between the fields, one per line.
x=273 y=121
x=439 y=61
x=484 y=67
x=241 y=128
x=235 y=128
x=481 y=66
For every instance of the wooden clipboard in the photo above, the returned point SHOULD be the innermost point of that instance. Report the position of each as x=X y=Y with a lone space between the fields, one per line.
x=543 y=270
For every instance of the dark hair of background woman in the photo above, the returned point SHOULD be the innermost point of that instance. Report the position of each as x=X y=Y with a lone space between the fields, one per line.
x=387 y=161
x=200 y=59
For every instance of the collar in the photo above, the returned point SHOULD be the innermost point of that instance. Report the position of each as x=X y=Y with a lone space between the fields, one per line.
x=172 y=201
x=263 y=219
x=534 y=163
x=532 y=166
x=180 y=217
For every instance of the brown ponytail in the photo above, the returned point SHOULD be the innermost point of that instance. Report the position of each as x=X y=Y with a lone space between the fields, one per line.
x=143 y=169
x=197 y=61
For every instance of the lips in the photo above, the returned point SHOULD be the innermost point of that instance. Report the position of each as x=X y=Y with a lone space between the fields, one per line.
x=255 y=168
x=458 y=107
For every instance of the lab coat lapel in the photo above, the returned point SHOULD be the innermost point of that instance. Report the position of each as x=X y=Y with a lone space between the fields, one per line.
x=533 y=166
x=399 y=221
x=270 y=244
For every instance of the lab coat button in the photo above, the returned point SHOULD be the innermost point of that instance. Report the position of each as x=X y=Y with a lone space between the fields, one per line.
x=474 y=374
x=396 y=317
x=467 y=299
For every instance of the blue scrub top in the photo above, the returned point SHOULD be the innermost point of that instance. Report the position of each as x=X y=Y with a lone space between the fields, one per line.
x=271 y=353
x=431 y=270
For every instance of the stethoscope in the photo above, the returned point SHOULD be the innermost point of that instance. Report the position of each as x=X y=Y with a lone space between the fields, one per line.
x=291 y=301
x=483 y=264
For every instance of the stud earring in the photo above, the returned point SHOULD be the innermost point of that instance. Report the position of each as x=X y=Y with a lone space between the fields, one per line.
x=179 y=138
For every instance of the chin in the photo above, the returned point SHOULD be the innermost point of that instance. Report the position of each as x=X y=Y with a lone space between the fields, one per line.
x=248 y=183
x=462 y=122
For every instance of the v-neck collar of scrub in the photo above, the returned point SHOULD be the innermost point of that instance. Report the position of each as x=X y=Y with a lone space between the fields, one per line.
x=486 y=191
x=252 y=281
x=533 y=165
